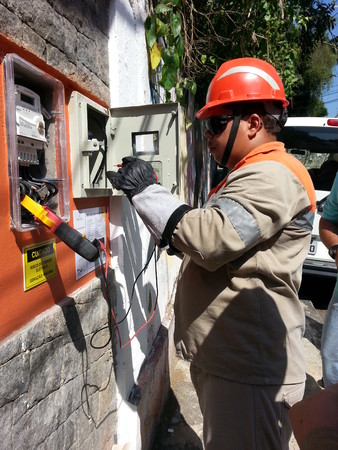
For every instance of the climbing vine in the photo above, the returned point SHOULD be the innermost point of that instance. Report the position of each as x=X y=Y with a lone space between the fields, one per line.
x=187 y=40
x=166 y=45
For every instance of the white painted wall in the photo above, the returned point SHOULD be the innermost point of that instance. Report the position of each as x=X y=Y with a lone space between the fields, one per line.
x=128 y=66
x=131 y=243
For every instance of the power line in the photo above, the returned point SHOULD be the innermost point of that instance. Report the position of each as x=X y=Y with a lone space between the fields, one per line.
x=331 y=101
x=330 y=93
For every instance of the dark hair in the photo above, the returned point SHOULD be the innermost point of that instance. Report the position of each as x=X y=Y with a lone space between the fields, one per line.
x=273 y=123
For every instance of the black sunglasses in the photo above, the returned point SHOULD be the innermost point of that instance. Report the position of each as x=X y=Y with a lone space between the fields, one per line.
x=217 y=124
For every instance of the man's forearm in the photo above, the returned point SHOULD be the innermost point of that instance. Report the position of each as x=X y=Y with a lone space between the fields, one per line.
x=328 y=232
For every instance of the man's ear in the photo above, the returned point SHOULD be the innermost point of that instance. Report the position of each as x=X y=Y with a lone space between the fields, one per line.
x=255 y=124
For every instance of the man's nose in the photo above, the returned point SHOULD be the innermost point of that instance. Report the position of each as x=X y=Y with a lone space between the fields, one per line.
x=208 y=135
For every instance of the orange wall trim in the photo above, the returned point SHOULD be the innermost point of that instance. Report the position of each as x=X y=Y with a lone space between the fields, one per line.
x=18 y=307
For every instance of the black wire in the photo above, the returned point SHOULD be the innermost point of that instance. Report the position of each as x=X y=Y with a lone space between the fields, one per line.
x=36 y=183
x=25 y=188
x=99 y=347
x=134 y=284
x=32 y=187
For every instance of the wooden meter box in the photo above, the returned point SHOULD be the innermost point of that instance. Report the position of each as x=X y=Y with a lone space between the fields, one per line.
x=101 y=138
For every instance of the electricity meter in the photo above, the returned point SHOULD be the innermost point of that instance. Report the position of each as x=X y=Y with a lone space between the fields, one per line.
x=37 y=145
x=30 y=125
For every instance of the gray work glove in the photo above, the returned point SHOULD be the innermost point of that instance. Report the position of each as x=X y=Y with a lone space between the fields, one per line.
x=133 y=177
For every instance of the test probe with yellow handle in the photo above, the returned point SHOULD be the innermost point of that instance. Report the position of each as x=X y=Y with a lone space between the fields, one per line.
x=71 y=237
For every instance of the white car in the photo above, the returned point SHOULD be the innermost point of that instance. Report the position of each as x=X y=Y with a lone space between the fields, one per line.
x=314 y=141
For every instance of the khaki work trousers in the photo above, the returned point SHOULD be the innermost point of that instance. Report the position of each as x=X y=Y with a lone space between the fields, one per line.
x=239 y=416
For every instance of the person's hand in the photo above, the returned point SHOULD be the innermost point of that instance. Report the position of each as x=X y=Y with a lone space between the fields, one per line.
x=133 y=177
x=320 y=411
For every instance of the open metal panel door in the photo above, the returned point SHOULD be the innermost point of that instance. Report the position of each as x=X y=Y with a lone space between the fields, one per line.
x=88 y=142
x=150 y=132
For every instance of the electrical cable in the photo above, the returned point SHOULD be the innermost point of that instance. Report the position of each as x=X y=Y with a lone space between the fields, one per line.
x=112 y=315
x=134 y=284
x=38 y=183
x=25 y=188
x=39 y=190
x=331 y=101
x=152 y=314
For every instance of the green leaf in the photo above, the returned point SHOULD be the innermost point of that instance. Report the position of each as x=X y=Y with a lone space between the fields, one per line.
x=194 y=87
x=170 y=68
x=160 y=9
x=179 y=92
x=203 y=59
x=169 y=76
x=171 y=40
x=188 y=124
x=190 y=85
x=150 y=28
x=175 y=24
x=186 y=83
x=179 y=44
x=170 y=57
x=161 y=28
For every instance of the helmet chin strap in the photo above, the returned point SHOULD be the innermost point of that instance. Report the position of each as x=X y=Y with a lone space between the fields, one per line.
x=231 y=139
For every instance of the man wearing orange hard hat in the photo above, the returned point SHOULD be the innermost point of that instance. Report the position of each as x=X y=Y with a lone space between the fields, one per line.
x=238 y=317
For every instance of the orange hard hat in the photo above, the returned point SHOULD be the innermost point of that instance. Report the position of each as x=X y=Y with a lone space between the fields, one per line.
x=243 y=80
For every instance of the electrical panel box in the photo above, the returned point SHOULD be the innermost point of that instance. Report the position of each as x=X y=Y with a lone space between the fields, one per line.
x=150 y=132
x=36 y=135
x=101 y=138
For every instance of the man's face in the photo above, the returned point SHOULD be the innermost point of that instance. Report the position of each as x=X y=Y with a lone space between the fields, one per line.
x=218 y=131
x=217 y=134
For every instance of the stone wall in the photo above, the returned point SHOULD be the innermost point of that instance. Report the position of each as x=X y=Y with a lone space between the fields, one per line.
x=59 y=389
x=70 y=36
x=57 y=386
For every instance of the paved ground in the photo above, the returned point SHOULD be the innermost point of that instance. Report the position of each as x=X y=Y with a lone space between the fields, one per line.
x=181 y=424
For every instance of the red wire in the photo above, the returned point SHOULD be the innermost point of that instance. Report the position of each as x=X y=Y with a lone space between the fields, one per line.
x=111 y=309
x=152 y=314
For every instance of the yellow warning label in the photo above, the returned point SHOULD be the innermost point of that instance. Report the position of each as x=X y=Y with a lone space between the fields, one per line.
x=39 y=263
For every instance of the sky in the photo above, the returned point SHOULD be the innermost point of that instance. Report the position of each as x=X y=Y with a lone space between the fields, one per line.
x=330 y=97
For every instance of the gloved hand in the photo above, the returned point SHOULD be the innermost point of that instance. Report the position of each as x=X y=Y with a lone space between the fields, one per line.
x=157 y=207
x=133 y=177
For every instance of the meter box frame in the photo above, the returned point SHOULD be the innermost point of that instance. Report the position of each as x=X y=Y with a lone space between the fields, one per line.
x=36 y=140
x=89 y=145
x=150 y=132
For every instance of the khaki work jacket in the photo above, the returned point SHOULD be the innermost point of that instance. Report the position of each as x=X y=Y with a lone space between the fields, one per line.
x=237 y=310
